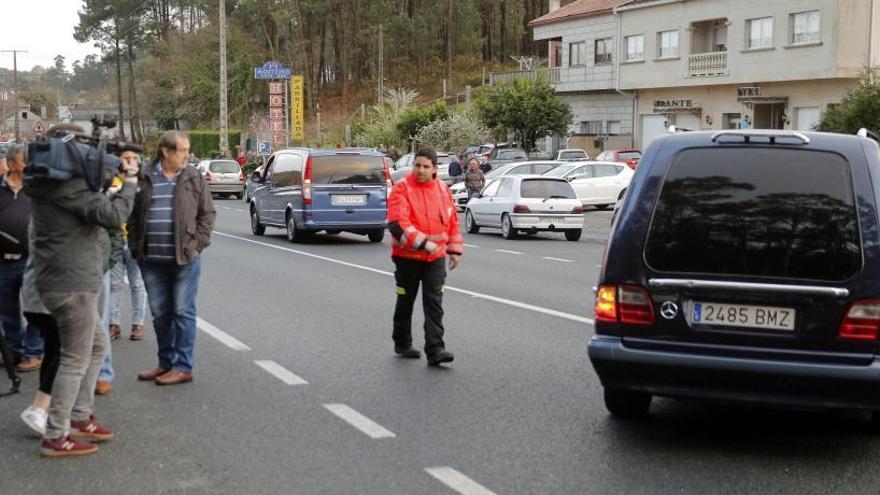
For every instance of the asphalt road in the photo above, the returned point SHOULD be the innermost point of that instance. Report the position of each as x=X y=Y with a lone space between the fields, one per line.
x=297 y=391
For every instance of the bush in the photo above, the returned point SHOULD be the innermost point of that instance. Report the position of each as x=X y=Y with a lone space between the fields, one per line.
x=861 y=108
x=205 y=144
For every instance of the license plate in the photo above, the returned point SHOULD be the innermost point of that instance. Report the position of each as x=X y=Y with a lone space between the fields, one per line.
x=348 y=199
x=551 y=220
x=743 y=316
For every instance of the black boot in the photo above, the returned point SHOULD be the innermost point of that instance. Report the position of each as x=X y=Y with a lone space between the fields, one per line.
x=441 y=356
x=408 y=352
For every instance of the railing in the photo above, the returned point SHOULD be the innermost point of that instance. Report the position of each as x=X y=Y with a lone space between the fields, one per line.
x=707 y=64
x=550 y=75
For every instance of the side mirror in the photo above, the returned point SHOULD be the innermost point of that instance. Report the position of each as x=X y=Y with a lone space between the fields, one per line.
x=255 y=176
x=478 y=194
x=570 y=178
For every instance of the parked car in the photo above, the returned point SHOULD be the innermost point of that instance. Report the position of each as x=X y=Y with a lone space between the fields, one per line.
x=404 y=166
x=572 y=154
x=630 y=157
x=503 y=156
x=250 y=186
x=742 y=267
x=459 y=192
x=223 y=177
x=598 y=184
x=526 y=203
x=309 y=191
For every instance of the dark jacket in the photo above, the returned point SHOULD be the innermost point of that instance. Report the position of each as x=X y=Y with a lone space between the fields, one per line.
x=194 y=215
x=68 y=218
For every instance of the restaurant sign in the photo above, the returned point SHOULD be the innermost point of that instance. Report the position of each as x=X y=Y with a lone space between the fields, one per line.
x=675 y=105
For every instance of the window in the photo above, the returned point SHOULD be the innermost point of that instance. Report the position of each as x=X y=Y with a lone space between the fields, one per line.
x=506 y=189
x=614 y=128
x=607 y=170
x=603 y=51
x=635 y=48
x=591 y=127
x=543 y=188
x=759 y=32
x=667 y=44
x=491 y=189
x=577 y=56
x=732 y=120
x=582 y=173
x=225 y=167
x=521 y=170
x=805 y=28
x=541 y=168
x=348 y=169
x=287 y=171
x=780 y=213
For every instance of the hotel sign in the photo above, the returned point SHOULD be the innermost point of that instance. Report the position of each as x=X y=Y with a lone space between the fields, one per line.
x=675 y=105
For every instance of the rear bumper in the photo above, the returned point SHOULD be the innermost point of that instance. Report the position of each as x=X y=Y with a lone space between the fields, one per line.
x=726 y=379
x=313 y=225
x=547 y=222
x=231 y=187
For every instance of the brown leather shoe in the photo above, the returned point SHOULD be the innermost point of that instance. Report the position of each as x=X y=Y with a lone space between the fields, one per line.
x=174 y=377
x=103 y=388
x=150 y=375
x=115 y=331
x=29 y=364
x=137 y=332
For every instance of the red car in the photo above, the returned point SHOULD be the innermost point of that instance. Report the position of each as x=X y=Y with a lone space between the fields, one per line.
x=628 y=156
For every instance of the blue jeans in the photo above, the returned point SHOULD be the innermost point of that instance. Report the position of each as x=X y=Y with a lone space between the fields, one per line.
x=106 y=374
x=127 y=264
x=172 y=291
x=22 y=340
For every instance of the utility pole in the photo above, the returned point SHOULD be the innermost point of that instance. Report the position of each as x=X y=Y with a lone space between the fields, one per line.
x=224 y=127
x=15 y=85
x=381 y=64
x=449 y=33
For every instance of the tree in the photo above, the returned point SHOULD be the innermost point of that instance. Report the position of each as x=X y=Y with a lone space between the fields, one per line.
x=454 y=133
x=527 y=109
x=414 y=118
x=861 y=108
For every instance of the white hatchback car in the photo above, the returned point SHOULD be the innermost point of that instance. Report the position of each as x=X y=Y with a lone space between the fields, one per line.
x=460 y=194
x=526 y=203
x=598 y=184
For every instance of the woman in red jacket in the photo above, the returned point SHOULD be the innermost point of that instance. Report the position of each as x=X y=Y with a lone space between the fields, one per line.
x=424 y=229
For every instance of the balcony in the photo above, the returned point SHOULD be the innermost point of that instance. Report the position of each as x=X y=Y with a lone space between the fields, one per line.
x=551 y=75
x=707 y=64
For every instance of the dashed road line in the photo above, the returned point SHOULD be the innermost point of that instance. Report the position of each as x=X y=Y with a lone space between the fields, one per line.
x=224 y=338
x=508 y=252
x=366 y=425
x=471 y=246
x=280 y=372
x=561 y=260
x=500 y=300
x=457 y=481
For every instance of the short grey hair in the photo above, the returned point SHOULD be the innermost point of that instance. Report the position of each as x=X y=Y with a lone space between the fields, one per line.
x=168 y=141
x=14 y=149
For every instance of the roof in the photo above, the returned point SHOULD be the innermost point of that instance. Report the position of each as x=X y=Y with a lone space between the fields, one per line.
x=578 y=9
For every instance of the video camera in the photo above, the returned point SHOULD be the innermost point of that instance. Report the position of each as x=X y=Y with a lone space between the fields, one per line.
x=68 y=154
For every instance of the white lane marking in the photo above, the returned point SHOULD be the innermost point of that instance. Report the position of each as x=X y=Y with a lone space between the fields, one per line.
x=508 y=252
x=471 y=246
x=598 y=266
x=501 y=300
x=366 y=425
x=458 y=482
x=561 y=260
x=280 y=372
x=224 y=338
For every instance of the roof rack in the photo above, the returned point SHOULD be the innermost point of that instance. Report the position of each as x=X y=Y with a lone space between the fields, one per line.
x=770 y=135
x=866 y=133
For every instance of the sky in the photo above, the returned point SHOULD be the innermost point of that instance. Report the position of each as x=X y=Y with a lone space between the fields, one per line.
x=43 y=36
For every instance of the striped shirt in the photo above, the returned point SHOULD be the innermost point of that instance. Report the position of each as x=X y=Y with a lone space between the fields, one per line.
x=160 y=219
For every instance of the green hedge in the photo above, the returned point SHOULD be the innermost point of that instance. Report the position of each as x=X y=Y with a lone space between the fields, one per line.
x=206 y=144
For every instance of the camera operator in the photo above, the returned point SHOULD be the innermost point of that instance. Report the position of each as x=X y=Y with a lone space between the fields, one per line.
x=68 y=217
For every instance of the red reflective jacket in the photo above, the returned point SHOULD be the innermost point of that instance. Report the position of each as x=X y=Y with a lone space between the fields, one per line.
x=418 y=213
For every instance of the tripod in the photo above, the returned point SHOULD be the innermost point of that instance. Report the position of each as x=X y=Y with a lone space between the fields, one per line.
x=10 y=368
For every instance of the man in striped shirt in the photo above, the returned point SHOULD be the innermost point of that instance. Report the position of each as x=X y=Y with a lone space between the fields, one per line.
x=170 y=225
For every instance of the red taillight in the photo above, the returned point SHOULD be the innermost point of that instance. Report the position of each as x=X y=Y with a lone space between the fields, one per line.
x=521 y=209
x=577 y=210
x=862 y=321
x=388 y=183
x=241 y=176
x=208 y=176
x=307 y=182
x=628 y=304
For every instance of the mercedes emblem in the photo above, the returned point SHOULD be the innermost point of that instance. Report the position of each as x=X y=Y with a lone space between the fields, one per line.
x=669 y=310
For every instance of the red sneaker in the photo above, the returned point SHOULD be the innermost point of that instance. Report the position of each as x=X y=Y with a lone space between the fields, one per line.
x=66 y=446
x=90 y=429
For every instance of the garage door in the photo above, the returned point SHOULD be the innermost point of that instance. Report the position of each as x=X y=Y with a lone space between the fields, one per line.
x=652 y=127
x=806 y=118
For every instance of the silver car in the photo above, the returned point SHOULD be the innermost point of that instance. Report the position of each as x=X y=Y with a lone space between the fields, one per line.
x=527 y=203
x=250 y=186
x=459 y=191
x=223 y=177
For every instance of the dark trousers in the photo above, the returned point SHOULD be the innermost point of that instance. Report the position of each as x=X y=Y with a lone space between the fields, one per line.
x=432 y=277
x=52 y=354
x=22 y=340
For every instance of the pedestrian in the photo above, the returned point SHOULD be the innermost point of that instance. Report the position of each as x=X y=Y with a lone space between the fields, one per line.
x=423 y=222
x=126 y=266
x=474 y=180
x=454 y=169
x=170 y=226
x=67 y=219
x=24 y=341
x=241 y=159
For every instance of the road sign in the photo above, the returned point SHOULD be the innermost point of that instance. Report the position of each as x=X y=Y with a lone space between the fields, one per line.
x=38 y=129
x=272 y=70
x=296 y=103
x=264 y=148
